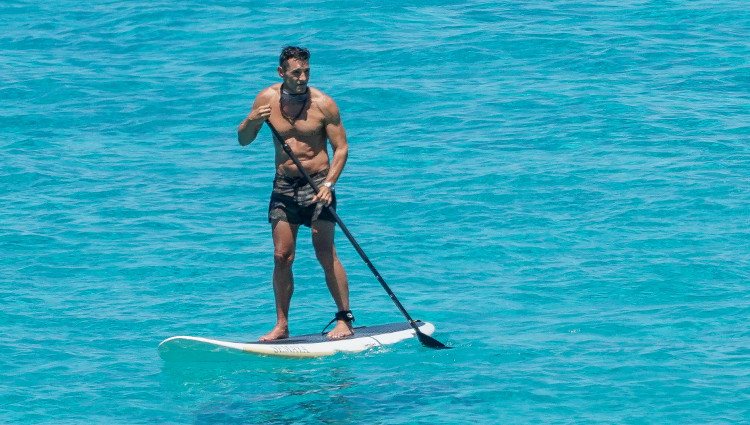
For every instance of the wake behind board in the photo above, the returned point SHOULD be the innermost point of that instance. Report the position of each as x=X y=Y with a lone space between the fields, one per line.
x=311 y=345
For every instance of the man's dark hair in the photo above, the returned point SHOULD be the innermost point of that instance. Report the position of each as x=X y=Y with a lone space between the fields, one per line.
x=293 y=52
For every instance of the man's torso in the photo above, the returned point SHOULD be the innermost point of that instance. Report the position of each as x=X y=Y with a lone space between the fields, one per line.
x=306 y=136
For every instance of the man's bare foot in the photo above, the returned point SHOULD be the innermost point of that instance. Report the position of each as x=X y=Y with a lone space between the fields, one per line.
x=341 y=330
x=278 y=332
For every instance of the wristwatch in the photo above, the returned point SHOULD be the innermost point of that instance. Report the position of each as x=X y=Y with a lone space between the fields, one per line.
x=329 y=185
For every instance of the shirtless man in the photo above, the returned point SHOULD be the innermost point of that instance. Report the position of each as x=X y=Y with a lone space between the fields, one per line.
x=305 y=117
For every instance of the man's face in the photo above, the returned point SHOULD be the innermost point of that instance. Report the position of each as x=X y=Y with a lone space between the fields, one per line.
x=295 y=75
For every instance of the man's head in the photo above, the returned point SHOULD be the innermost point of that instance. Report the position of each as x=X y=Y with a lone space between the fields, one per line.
x=293 y=52
x=294 y=68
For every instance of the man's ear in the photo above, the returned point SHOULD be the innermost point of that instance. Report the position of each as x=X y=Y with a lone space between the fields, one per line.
x=281 y=71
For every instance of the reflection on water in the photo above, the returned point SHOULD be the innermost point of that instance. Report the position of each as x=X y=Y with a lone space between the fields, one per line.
x=265 y=390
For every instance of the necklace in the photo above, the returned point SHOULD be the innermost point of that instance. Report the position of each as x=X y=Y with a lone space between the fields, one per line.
x=293 y=99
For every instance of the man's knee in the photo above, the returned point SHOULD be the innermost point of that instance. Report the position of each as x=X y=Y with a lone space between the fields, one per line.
x=283 y=258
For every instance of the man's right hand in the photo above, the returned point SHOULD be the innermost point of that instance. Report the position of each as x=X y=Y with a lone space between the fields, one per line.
x=250 y=126
x=261 y=113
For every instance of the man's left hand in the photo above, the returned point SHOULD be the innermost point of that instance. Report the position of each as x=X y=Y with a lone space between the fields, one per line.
x=324 y=195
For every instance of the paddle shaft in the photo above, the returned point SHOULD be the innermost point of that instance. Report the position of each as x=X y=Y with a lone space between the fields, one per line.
x=348 y=234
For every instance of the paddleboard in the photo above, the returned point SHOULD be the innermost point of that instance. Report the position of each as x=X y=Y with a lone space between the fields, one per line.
x=311 y=345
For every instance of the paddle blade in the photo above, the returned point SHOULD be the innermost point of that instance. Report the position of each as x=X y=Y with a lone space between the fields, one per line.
x=431 y=342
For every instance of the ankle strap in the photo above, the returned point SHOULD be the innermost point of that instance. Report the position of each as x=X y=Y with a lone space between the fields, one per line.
x=345 y=315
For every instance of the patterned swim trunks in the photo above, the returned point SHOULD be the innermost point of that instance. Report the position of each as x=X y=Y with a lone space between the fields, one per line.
x=291 y=200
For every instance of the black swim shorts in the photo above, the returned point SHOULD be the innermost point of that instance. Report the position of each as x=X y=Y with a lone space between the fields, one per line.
x=291 y=200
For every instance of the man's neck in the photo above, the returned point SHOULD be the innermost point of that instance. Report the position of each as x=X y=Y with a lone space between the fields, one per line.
x=287 y=90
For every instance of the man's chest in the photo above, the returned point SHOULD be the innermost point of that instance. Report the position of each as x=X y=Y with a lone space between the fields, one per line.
x=310 y=123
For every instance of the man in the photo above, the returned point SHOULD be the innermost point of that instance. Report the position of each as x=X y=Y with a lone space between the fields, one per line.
x=305 y=117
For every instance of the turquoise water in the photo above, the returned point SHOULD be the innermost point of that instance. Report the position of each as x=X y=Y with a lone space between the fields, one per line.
x=561 y=187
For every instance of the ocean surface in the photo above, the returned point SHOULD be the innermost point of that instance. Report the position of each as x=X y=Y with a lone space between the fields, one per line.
x=561 y=187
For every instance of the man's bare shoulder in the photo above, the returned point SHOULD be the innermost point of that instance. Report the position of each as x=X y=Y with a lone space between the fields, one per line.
x=324 y=102
x=319 y=96
x=269 y=92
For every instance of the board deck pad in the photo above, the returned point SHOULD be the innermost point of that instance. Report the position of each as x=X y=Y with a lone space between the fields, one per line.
x=311 y=345
x=359 y=332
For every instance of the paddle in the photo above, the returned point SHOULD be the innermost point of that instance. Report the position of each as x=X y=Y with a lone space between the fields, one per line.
x=426 y=340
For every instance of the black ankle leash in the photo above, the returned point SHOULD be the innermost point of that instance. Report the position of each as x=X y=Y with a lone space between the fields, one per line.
x=345 y=315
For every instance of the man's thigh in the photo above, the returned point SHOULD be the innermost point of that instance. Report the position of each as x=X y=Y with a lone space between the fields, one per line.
x=284 y=236
x=323 y=232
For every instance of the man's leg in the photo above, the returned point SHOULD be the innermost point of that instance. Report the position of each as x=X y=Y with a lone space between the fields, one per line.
x=322 y=237
x=284 y=243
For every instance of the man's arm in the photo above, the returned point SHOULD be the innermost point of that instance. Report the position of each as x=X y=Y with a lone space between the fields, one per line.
x=337 y=136
x=249 y=127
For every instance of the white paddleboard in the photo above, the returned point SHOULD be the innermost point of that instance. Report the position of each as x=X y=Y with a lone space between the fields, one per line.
x=312 y=345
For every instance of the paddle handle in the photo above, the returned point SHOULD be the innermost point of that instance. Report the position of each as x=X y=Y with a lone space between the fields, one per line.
x=360 y=251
